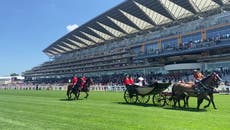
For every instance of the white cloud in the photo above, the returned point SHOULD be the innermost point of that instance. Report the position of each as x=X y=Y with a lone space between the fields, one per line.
x=71 y=27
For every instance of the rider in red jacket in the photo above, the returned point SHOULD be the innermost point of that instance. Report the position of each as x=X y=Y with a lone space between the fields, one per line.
x=74 y=80
x=83 y=79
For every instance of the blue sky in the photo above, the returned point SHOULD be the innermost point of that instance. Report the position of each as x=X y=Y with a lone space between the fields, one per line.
x=29 y=26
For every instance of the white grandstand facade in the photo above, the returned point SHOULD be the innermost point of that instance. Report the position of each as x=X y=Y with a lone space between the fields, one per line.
x=143 y=36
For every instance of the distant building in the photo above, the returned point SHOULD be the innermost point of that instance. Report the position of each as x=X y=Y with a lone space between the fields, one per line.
x=11 y=79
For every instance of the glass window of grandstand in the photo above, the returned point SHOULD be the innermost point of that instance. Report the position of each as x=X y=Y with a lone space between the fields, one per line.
x=170 y=44
x=219 y=66
x=151 y=48
x=136 y=50
x=218 y=33
x=191 y=40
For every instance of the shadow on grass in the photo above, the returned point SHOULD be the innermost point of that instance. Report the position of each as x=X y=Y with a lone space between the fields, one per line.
x=186 y=109
x=137 y=104
x=163 y=107
x=69 y=99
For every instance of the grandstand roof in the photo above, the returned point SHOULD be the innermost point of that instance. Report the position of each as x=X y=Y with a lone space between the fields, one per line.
x=130 y=17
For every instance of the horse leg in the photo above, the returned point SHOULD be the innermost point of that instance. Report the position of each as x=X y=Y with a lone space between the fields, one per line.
x=206 y=98
x=186 y=100
x=78 y=94
x=212 y=101
x=185 y=104
x=75 y=95
x=179 y=102
x=86 y=95
x=175 y=100
x=67 y=93
x=199 y=101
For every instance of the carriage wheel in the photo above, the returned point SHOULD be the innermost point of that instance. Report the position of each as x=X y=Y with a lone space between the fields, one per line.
x=130 y=98
x=158 y=100
x=168 y=101
x=143 y=99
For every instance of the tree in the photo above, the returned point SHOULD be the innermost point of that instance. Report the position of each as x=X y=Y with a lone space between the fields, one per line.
x=14 y=74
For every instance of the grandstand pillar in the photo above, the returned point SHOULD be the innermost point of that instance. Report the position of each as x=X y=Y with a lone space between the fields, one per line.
x=159 y=44
x=143 y=48
x=203 y=35
x=179 y=40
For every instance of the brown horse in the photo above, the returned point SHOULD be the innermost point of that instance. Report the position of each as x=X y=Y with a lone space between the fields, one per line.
x=206 y=87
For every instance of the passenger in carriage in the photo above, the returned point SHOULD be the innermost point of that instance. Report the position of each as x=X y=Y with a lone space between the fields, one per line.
x=127 y=80
x=141 y=82
x=131 y=80
x=129 y=83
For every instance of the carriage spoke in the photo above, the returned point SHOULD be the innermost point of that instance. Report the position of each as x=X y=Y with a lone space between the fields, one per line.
x=168 y=101
x=130 y=98
x=158 y=99
x=143 y=99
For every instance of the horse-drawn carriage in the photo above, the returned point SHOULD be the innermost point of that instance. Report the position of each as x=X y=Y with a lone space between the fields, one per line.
x=142 y=94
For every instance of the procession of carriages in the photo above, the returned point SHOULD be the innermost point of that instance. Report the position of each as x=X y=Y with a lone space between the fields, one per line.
x=203 y=90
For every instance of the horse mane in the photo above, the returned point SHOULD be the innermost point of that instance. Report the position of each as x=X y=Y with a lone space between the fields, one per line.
x=88 y=82
x=79 y=82
x=208 y=78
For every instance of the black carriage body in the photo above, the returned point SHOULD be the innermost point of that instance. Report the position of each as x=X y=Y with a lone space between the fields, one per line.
x=142 y=94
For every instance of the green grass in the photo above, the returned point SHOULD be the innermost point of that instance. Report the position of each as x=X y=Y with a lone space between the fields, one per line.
x=40 y=110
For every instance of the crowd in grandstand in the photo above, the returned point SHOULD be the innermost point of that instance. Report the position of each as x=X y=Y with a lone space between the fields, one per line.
x=115 y=82
x=152 y=77
x=192 y=44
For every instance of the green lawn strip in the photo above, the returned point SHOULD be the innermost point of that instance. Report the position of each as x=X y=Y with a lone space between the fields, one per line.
x=102 y=111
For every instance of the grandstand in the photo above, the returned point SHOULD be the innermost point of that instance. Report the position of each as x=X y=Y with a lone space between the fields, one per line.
x=143 y=36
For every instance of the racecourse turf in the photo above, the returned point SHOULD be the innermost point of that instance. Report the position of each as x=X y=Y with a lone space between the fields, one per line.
x=47 y=110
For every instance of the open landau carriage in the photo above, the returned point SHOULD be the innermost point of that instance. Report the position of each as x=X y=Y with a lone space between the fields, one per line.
x=142 y=94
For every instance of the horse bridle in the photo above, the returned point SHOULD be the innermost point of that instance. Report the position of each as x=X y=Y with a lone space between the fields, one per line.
x=215 y=76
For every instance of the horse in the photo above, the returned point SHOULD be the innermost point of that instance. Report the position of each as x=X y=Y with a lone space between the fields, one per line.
x=86 y=87
x=77 y=88
x=206 y=87
x=73 y=89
